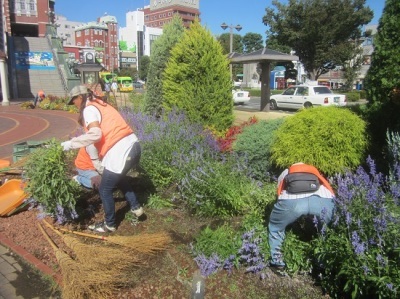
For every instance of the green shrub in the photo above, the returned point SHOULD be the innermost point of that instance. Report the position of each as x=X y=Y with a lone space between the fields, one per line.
x=254 y=143
x=223 y=241
x=197 y=81
x=137 y=101
x=352 y=96
x=221 y=188
x=330 y=138
x=48 y=183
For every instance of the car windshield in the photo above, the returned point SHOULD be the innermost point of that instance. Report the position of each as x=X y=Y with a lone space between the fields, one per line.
x=322 y=90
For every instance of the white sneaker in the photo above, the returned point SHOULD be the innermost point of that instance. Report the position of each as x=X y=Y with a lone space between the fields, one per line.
x=75 y=178
x=139 y=212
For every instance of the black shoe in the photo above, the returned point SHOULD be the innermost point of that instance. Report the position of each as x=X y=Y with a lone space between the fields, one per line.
x=278 y=269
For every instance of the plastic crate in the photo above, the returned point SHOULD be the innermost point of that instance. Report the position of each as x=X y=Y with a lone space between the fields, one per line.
x=27 y=145
x=20 y=154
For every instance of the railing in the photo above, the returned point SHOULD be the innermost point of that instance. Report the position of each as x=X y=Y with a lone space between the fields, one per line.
x=68 y=78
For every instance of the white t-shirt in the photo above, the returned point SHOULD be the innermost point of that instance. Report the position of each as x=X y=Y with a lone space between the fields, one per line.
x=114 y=159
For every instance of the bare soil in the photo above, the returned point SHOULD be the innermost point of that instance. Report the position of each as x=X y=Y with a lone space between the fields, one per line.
x=166 y=274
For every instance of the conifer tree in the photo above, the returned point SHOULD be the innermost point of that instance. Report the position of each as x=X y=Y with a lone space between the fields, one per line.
x=172 y=33
x=382 y=82
x=197 y=79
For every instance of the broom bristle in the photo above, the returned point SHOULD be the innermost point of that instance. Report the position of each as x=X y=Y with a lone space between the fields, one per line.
x=144 y=243
x=101 y=257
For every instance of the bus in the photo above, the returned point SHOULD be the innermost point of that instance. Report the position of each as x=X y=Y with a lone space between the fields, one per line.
x=108 y=77
x=125 y=83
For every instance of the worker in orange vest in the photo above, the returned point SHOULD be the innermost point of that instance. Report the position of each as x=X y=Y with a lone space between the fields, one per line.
x=39 y=97
x=302 y=190
x=88 y=167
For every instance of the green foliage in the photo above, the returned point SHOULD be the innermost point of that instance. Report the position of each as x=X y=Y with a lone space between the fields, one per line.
x=49 y=184
x=137 y=101
x=252 y=42
x=330 y=138
x=197 y=80
x=323 y=31
x=144 y=63
x=224 y=241
x=157 y=202
x=222 y=189
x=161 y=49
x=352 y=96
x=254 y=143
x=359 y=253
x=237 y=44
x=296 y=253
x=382 y=80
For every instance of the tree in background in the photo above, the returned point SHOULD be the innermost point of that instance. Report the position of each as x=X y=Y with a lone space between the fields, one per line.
x=320 y=32
x=128 y=72
x=382 y=81
x=237 y=45
x=144 y=62
x=197 y=79
x=162 y=46
x=252 y=42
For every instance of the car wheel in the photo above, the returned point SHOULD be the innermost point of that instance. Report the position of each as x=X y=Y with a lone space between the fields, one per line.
x=273 y=105
x=307 y=105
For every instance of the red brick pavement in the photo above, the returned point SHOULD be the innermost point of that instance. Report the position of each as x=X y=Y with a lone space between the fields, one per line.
x=19 y=125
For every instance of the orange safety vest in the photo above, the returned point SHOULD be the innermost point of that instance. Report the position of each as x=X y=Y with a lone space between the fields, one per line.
x=83 y=160
x=113 y=128
x=307 y=169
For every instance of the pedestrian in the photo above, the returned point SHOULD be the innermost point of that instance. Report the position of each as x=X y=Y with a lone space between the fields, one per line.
x=40 y=96
x=107 y=89
x=114 y=88
x=119 y=151
x=89 y=167
x=302 y=190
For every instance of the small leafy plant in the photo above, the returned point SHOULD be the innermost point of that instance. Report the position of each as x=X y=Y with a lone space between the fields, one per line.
x=48 y=183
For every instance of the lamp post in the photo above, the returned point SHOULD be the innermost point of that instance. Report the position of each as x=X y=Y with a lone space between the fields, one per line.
x=231 y=27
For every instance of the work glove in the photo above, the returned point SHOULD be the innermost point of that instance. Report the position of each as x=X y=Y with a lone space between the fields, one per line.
x=66 y=145
x=98 y=166
x=95 y=181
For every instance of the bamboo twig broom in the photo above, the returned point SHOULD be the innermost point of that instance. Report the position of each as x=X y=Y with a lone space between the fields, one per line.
x=98 y=257
x=145 y=243
x=78 y=281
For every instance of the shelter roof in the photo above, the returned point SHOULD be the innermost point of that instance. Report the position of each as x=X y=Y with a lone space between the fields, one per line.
x=261 y=55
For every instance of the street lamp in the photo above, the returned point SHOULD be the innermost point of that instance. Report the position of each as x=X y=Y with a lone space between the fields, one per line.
x=238 y=28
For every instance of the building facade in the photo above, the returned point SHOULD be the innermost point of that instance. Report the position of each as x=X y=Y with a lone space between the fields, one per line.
x=66 y=30
x=160 y=12
x=102 y=36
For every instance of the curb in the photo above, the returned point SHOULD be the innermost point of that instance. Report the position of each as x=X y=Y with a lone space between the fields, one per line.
x=30 y=259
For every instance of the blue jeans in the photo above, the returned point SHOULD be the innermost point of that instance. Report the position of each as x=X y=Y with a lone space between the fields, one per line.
x=287 y=211
x=110 y=180
x=84 y=177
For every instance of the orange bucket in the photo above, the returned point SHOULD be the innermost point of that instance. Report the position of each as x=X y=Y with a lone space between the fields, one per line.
x=12 y=195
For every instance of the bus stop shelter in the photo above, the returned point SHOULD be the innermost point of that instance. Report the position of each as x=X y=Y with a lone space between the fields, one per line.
x=264 y=57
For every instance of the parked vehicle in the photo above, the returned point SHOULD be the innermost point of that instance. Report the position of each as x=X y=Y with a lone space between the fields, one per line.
x=240 y=96
x=107 y=77
x=137 y=85
x=299 y=96
x=125 y=84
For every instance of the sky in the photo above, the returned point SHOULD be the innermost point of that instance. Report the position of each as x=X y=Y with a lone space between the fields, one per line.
x=247 y=14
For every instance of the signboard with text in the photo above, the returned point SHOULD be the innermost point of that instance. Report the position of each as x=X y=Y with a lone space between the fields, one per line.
x=158 y=4
x=34 y=60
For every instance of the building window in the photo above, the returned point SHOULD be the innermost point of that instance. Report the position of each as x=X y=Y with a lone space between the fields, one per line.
x=32 y=5
x=78 y=33
x=87 y=31
x=22 y=4
x=169 y=13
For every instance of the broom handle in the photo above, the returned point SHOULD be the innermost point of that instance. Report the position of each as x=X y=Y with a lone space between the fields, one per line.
x=52 y=228
x=47 y=237
x=83 y=234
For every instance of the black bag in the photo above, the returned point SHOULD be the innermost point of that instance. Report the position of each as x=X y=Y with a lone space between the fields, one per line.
x=301 y=182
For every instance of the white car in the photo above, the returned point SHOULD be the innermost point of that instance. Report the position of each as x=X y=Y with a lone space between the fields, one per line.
x=240 y=96
x=299 y=96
